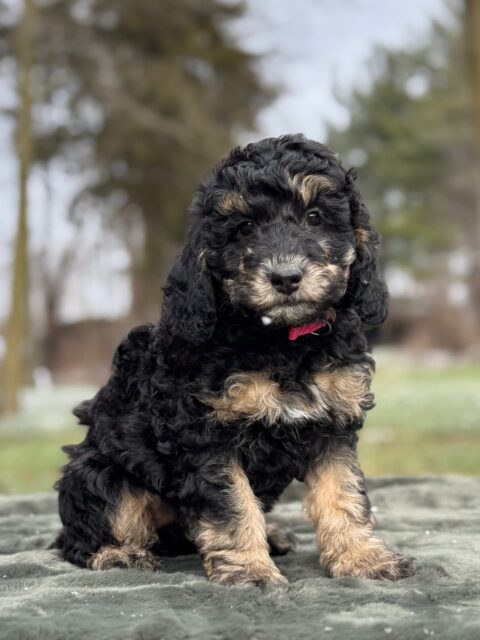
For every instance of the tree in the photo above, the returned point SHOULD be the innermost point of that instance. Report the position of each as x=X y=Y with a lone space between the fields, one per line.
x=472 y=30
x=472 y=13
x=412 y=133
x=150 y=94
x=17 y=342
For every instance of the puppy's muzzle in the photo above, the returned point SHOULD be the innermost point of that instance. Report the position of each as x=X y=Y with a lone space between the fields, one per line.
x=286 y=278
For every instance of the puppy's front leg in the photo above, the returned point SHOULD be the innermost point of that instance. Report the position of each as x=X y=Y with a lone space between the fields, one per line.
x=234 y=548
x=340 y=510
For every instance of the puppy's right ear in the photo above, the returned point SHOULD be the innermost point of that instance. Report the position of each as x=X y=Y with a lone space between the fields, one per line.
x=366 y=288
x=189 y=309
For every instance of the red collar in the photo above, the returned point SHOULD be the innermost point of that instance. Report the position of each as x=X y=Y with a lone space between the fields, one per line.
x=296 y=332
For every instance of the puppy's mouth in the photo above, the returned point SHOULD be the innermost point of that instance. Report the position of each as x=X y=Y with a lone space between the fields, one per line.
x=291 y=313
x=293 y=298
x=286 y=310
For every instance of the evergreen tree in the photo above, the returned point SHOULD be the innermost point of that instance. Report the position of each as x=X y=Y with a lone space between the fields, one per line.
x=143 y=97
x=412 y=134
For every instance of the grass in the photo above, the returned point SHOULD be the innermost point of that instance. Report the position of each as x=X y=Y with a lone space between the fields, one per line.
x=427 y=421
x=30 y=462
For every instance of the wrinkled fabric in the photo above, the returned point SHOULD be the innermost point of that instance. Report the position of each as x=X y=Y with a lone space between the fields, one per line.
x=435 y=519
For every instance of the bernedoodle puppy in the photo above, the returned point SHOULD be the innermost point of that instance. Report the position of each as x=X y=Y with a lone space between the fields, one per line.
x=257 y=373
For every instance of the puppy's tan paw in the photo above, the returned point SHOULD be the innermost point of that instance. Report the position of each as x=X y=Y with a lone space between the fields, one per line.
x=379 y=563
x=229 y=575
x=126 y=557
x=397 y=568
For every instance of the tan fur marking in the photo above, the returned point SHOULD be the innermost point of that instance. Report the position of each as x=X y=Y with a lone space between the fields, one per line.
x=314 y=286
x=317 y=280
x=343 y=524
x=362 y=239
x=248 y=396
x=137 y=518
x=124 y=557
x=311 y=186
x=349 y=258
x=262 y=293
x=347 y=391
x=233 y=202
x=134 y=525
x=252 y=396
x=237 y=552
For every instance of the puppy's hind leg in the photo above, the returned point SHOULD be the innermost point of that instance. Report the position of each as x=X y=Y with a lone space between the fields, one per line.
x=84 y=503
x=134 y=523
x=280 y=541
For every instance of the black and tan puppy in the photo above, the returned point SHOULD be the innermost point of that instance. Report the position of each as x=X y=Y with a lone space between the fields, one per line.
x=257 y=373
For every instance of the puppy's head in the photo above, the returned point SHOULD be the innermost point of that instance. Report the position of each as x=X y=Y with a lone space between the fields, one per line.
x=279 y=230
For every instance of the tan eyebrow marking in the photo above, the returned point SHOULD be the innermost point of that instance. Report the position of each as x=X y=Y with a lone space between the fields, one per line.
x=310 y=186
x=232 y=202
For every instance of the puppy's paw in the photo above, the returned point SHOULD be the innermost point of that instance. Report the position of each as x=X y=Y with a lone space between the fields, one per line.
x=397 y=568
x=123 y=558
x=375 y=561
x=280 y=541
x=229 y=575
x=144 y=559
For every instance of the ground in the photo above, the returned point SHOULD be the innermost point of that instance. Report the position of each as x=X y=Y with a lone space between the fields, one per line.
x=426 y=422
x=434 y=519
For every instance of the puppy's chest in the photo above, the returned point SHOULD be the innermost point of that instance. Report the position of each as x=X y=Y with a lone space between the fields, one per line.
x=340 y=394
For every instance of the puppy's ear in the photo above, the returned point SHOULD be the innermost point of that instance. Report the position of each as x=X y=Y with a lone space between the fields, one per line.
x=189 y=310
x=366 y=289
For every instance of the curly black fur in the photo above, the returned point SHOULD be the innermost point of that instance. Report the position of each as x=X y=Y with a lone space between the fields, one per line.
x=150 y=427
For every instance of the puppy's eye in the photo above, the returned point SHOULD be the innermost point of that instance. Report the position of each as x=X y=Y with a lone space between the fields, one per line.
x=246 y=229
x=314 y=218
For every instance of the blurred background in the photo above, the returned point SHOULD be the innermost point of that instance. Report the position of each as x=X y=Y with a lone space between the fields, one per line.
x=111 y=111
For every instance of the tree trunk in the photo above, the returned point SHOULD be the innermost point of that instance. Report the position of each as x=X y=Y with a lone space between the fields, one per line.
x=150 y=270
x=473 y=44
x=17 y=342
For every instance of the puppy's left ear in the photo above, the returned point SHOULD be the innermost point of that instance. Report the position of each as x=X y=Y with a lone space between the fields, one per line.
x=189 y=309
x=366 y=289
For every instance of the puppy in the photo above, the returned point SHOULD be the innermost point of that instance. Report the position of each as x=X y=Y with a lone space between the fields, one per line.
x=257 y=373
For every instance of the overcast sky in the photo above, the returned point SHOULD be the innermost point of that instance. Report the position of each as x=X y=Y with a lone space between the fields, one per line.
x=311 y=49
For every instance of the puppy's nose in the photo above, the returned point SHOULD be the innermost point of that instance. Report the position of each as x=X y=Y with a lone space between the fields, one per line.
x=286 y=278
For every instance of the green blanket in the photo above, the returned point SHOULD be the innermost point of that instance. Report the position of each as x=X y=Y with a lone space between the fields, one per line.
x=435 y=519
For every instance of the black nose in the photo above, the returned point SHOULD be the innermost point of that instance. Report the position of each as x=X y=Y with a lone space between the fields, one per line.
x=286 y=278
